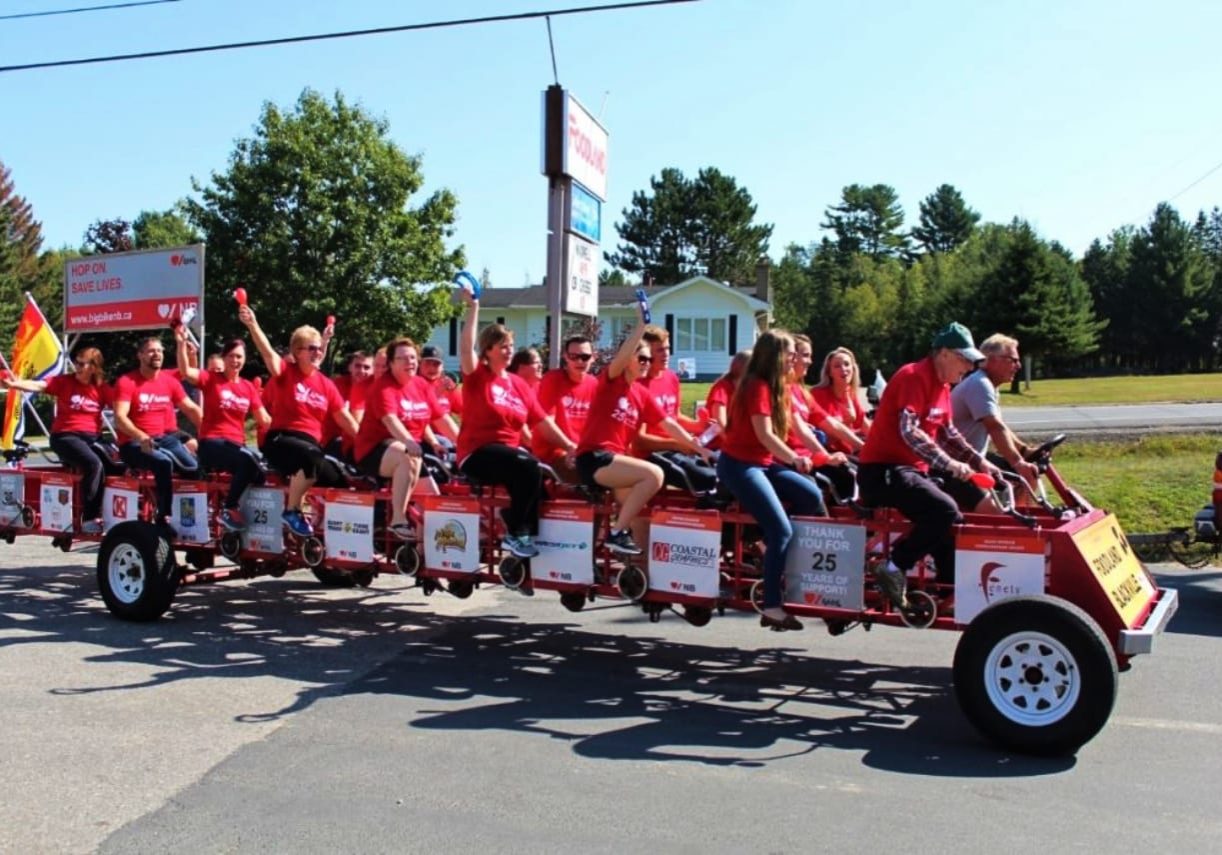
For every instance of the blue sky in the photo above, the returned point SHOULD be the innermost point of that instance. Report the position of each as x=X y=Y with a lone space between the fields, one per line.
x=1077 y=116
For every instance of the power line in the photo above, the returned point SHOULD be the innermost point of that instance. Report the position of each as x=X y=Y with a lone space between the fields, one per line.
x=84 y=9
x=1195 y=183
x=458 y=22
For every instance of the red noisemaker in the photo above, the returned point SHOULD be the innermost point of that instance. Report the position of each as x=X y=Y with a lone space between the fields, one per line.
x=239 y=294
x=983 y=480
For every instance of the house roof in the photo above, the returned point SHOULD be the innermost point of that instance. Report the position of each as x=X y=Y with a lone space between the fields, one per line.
x=535 y=296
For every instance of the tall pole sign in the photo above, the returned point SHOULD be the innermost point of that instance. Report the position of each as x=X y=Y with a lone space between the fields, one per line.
x=575 y=163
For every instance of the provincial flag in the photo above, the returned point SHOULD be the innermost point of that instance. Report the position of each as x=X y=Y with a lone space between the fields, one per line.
x=37 y=355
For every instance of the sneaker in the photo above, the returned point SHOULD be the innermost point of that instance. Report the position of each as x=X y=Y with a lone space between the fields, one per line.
x=402 y=530
x=92 y=527
x=893 y=582
x=520 y=545
x=231 y=520
x=297 y=523
x=622 y=542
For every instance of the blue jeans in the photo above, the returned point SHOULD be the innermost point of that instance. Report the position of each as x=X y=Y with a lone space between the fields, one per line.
x=168 y=453
x=221 y=455
x=760 y=491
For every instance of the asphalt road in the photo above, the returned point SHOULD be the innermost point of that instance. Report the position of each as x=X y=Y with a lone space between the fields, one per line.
x=1118 y=417
x=275 y=716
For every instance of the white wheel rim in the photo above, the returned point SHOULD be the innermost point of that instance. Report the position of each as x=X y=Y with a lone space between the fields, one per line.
x=125 y=571
x=1032 y=679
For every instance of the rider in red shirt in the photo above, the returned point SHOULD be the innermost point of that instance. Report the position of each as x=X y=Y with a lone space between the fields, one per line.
x=566 y=394
x=622 y=407
x=913 y=433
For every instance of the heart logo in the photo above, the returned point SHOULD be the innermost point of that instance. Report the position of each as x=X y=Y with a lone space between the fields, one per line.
x=811 y=598
x=164 y=310
x=674 y=586
x=175 y=260
x=554 y=574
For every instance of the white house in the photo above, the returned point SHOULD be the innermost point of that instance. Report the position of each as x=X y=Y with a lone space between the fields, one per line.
x=708 y=321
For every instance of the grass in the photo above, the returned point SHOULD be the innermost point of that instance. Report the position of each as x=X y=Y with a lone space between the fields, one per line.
x=1151 y=484
x=1117 y=390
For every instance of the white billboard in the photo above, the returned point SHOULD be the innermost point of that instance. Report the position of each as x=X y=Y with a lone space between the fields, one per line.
x=133 y=290
x=585 y=148
x=581 y=275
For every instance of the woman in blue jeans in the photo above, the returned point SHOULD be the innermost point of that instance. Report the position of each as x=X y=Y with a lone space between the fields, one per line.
x=761 y=470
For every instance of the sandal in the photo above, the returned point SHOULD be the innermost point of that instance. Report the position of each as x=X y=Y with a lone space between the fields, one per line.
x=780 y=624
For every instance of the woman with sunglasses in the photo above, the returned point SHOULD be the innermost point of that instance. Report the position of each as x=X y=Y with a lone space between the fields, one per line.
x=228 y=398
x=496 y=406
x=305 y=398
x=621 y=408
x=77 y=428
x=761 y=470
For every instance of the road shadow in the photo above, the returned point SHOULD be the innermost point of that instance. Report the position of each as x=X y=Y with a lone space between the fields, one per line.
x=630 y=696
x=617 y=697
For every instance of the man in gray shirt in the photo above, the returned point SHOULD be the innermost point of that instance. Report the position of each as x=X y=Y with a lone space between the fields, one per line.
x=977 y=412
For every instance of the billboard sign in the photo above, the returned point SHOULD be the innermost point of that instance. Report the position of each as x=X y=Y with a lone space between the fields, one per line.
x=585 y=213
x=581 y=276
x=133 y=290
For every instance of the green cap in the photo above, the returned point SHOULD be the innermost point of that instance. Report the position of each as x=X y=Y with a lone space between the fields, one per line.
x=958 y=338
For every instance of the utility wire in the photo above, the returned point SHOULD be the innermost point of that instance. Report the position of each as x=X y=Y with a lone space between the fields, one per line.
x=1195 y=183
x=84 y=9
x=432 y=25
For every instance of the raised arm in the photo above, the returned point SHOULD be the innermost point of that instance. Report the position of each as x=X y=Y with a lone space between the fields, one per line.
x=468 y=359
x=627 y=350
x=186 y=370
x=270 y=358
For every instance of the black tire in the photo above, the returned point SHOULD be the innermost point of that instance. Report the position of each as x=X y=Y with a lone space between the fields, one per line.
x=1036 y=675
x=333 y=578
x=697 y=615
x=460 y=588
x=136 y=571
x=574 y=601
x=407 y=560
x=514 y=572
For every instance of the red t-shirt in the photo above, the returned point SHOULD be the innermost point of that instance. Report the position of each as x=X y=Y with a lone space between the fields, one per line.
x=616 y=414
x=721 y=392
x=303 y=403
x=78 y=406
x=810 y=412
x=739 y=441
x=414 y=402
x=494 y=410
x=152 y=402
x=914 y=387
x=352 y=392
x=854 y=421
x=226 y=405
x=568 y=403
x=665 y=391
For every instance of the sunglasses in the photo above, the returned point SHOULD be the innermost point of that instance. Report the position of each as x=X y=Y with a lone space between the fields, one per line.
x=645 y=360
x=580 y=357
x=313 y=348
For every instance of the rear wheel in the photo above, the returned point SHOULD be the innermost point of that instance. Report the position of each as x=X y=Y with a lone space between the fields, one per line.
x=334 y=578
x=1036 y=675
x=136 y=571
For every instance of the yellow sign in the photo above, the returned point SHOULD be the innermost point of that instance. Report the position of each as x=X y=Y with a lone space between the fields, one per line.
x=1111 y=559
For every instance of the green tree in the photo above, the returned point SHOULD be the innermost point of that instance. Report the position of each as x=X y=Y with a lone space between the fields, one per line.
x=868 y=220
x=946 y=221
x=681 y=228
x=162 y=229
x=105 y=236
x=312 y=218
x=22 y=268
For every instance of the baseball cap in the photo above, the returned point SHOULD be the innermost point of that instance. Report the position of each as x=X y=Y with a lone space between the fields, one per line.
x=958 y=338
x=432 y=351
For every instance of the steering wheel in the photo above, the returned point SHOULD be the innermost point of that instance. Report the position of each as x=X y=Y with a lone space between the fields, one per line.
x=1044 y=451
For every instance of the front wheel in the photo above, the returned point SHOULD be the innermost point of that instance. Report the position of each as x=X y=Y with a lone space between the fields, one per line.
x=136 y=571
x=1036 y=675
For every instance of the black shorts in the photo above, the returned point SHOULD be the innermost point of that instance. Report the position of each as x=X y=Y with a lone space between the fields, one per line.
x=589 y=463
x=966 y=494
x=371 y=463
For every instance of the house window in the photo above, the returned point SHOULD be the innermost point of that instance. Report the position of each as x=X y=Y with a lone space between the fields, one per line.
x=700 y=335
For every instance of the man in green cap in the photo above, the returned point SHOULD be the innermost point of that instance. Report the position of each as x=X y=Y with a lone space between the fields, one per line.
x=913 y=436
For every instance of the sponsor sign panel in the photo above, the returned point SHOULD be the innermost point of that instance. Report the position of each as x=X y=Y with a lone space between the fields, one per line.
x=1113 y=564
x=189 y=513
x=12 y=497
x=685 y=553
x=348 y=522
x=565 y=542
x=55 y=502
x=581 y=275
x=825 y=565
x=585 y=213
x=993 y=567
x=133 y=290
x=585 y=149
x=262 y=507
x=120 y=501
x=451 y=533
